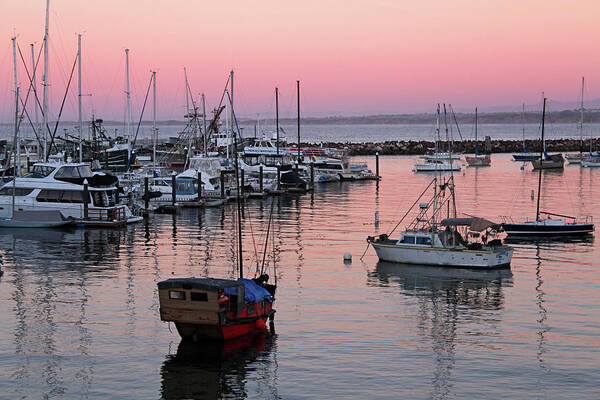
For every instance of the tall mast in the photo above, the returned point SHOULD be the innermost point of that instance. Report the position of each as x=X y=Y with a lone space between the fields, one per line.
x=523 y=125
x=475 y=130
x=298 y=90
x=17 y=139
x=446 y=127
x=33 y=80
x=277 y=117
x=437 y=130
x=45 y=83
x=537 y=211
x=239 y=199
x=581 y=118
x=204 y=123
x=128 y=116
x=154 y=133
x=543 y=140
x=234 y=152
x=187 y=95
x=79 y=97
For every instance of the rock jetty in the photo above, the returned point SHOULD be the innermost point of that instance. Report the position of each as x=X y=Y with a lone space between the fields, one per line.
x=468 y=146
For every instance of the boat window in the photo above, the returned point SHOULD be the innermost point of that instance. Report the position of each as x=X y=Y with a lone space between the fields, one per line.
x=176 y=294
x=85 y=171
x=408 y=239
x=8 y=191
x=423 y=240
x=100 y=198
x=199 y=296
x=60 y=196
x=67 y=172
x=40 y=171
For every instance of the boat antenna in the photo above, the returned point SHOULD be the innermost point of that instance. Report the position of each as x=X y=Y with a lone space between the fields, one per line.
x=537 y=211
x=298 y=92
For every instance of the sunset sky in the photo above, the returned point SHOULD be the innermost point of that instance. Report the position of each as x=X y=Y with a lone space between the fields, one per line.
x=352 y=57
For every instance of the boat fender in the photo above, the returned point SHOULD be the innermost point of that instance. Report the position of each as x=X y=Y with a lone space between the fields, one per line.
x=260 y=325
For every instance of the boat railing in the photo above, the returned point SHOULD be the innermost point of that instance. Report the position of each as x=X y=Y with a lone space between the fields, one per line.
x=106 y=214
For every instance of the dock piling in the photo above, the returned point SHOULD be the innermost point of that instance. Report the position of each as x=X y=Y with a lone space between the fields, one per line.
x=173 y=189
x=86 y=199
x=146 y=195
x=260 y=178
x=222 y=185
x=377 y=165
x=199 y=184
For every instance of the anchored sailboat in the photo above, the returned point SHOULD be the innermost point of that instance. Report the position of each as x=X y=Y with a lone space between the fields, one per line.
x=478 y=160
x=548 y=226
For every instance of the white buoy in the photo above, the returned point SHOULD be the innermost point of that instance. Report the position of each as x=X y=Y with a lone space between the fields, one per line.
x=347 y=257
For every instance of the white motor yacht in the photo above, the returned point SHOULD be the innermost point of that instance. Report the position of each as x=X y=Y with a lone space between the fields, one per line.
x=60 y=187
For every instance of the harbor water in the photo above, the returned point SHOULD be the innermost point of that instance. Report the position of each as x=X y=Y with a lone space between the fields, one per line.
x=80 y=316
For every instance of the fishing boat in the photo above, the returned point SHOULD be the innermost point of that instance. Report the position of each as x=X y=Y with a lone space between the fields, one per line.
x=563 y=226
x=478 y=160
x=526 y=155
x=591 y=162
x=450 y=242
x=220 y=309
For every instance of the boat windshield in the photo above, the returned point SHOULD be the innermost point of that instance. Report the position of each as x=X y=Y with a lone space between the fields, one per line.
x=40 y=171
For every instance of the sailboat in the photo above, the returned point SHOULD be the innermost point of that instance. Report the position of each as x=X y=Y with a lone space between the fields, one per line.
x=219 y=309
x=526 y=155
x=449 y=242
x=577 y=158
x=548 y=226
x=478 y=160
x=438 y=161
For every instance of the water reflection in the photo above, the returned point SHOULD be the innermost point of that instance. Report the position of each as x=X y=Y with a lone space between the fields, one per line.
x=446 y=299
x=221 y=370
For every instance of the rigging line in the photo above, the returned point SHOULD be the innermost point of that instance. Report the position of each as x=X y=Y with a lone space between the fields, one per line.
x=30 y=77
x=253 y=241
x=61 y=110
x=262 y=268
x=411 y=207
x=455 y=121
x=140 y=121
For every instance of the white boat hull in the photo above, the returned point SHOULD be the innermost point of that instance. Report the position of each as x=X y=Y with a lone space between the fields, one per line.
x=447 y=257
x=436 y=167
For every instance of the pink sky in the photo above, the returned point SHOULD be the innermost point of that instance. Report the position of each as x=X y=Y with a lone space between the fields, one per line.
x=352 y=57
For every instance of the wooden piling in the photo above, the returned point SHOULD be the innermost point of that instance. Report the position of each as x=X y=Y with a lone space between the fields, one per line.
x=199 y=184
x=377 y=165
x=173 y=189
x=146 y=194
x=86 y=199
x=260 y=178
x=222 y=185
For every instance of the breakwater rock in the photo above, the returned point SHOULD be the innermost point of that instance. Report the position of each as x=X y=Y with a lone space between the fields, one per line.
x=468 y=146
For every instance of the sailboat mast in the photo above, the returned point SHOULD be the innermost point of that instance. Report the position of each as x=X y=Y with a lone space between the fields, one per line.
x=187 y=95
x=437 y=129
x=128 y=116
x=239 y=197
x=523 y=125
x=79 y=96
x=277 y=117
x=33 y=68
x=446 y=127
x=45 y=83
x=204 y=123
x=537 y=211
x=17 y=140
x=475 y=130
x=154 y=133
x=581 y=119
x=298 y=90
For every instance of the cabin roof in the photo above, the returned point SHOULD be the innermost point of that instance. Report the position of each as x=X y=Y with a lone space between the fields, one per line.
x=199 y=283
x=475 y=223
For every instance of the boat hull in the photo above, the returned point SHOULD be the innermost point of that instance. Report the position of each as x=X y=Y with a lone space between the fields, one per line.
x=478 y=161
x=195 y=332
x=526 y=157
x=460 y=258
x=538 y=230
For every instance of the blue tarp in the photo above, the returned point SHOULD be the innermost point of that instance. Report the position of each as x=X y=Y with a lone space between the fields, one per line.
x=253 y=292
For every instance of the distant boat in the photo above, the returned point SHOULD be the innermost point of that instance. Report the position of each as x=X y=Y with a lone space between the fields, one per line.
x=451 y=242
x=526 y=155
x=438 y=161
x=550 y=161
x=548 y=226
x=478 y=160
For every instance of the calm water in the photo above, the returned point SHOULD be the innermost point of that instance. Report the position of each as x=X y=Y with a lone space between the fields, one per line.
x=80 y=319
x=357 y=133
